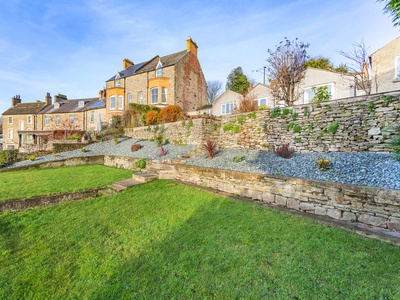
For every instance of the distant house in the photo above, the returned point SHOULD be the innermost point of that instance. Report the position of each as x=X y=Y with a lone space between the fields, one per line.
x=225 y=103
x=385 y=66
x=174 y=79
x=34 y=124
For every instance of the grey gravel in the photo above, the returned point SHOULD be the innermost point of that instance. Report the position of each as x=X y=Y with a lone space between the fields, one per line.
x=368 y=169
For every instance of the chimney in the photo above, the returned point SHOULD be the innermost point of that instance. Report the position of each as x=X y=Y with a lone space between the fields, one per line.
x=191 y=46
x=15 y=100
x=47 y=99
x=126 y=63
x=59 y=98
x=102 y=94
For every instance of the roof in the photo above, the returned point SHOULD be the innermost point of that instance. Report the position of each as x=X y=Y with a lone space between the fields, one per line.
x=71 y=106
x=393 y=41
x=151 y=64
x=25 y=108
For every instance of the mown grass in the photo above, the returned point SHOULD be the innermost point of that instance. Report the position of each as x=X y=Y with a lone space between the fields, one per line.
x=36 y=182
x=164 y=240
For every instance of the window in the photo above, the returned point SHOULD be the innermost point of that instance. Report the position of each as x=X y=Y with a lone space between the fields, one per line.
x=129 y=98
x=227 y=108
x=29 y=119
x=81 y=103
x=154 y=95
x=47 y=120
x=163 y=95
x=21 y=125
x=262 y=102
x=117 y=80
x=10 y=133
x=58 y=120
x=309 y=93
x=10 y=147
x=71 y=119
x=10 y=120
x=92 y=117
x=120 y=102
x=159 y=70
x=112 y=102
x=140 y=97
x=397 y=69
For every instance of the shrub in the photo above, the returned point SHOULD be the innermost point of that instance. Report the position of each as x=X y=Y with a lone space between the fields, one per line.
x=163 y=152
x=32 y=157
x=83 y=150
x=74 y=137
x=333 y=127
x=284 y=151
x=141 y=163
x=276 y=112
x=135 y=147
x=262 y=107
x=238 y=158
x=228 y=127
x=247 y=103
x=323 y=163
x=210 y=147
x=321 y=94
x=296 y=129
x=171 y=113
x=8 y=157
x=152 y=118
x=159 y=139
x=285 y=112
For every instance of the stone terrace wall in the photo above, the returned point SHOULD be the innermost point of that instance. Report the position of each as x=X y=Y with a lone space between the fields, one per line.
x=363 y=124
x=189 y=132
x=367 y=205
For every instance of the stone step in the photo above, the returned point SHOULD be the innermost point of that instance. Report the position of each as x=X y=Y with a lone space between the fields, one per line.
x=128 y=182
x=116 y=187
x=144 y=177
x=105 y=192
x=166 y=174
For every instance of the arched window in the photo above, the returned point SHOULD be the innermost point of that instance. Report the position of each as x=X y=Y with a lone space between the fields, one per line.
x=154 y=95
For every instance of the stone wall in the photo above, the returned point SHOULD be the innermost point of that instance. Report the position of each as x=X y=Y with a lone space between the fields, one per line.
x=349 y=125
x=189 y=132
x=367 y=205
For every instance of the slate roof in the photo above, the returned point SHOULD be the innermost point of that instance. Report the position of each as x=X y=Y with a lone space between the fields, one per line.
x=25 y=108
x=151 y=64
x=71 y=106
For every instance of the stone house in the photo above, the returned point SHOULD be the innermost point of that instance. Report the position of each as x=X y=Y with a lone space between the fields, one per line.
x=174 y=79
x=31 y=125
x=385 y=67
x=225 y=103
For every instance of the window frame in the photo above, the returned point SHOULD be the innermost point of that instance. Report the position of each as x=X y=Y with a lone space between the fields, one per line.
x=112 y=102
x=29 y=120
x=159 y=70
x=397 y=68
x=129 y=98
x=92 y=117
x=10 y=133
x=120 y=102
x=224 y=107
x=58 y=120
x=72 y=119
x=10 y=120
x=140 y=97
x=47 y=120
x=154 y=96
x=163 y=95
x=259 y=101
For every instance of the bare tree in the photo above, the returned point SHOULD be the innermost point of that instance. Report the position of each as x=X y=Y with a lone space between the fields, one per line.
x=286 y=69
x=360 y=66
x=214 y=88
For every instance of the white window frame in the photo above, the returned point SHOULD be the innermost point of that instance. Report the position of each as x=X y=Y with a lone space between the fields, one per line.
x=129 y=98
x=21 y=125
x=29 y=119
x=10 y=120
x=154 y=95
x=112 y=102
x=58 y=120
x=159 y=70
x=46 y=120
x=164 y=95
x=397 y=68
x=120 y=102
x=71 y=119
x=10 y=133
x=92 y=117
x=140 y=97
x=259 y=102
x=226 y=108
x=305 y=94
x=117 y=80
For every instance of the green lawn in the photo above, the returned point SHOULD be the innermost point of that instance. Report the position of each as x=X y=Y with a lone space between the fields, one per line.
x=164 y=240
x=36 y=182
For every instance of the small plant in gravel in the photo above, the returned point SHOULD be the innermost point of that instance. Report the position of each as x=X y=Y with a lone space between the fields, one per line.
x=238 y=158
x=135 y=147
x=323 y=163
x=141 y=163
x=32 y=157
x=83 y=150
x=210 y=147
x=163 y=151
x=159 y=139
x=284 y=151
x=115 y=139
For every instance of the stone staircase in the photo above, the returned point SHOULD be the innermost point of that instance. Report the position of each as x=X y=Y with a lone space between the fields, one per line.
x=119 y=186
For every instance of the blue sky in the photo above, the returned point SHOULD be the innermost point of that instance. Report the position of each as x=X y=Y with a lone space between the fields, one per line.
x=72 y=47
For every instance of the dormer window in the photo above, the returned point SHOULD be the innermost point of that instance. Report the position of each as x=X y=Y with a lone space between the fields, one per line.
x=81 y=103
x=56 y=105
x=159 y=69
x=118 y=80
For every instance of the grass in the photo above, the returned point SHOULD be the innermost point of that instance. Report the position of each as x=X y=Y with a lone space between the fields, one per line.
x=29 y=183
x=164 y=240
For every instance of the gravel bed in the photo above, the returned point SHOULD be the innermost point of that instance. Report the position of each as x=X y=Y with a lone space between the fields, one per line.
x=368 y=169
